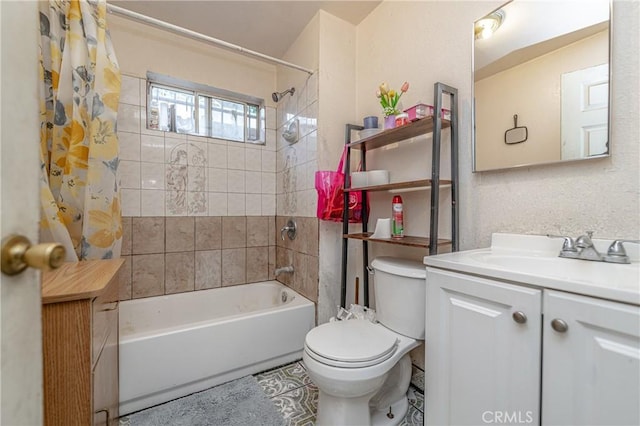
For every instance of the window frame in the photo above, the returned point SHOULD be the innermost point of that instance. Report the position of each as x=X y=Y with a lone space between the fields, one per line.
x=210 y=94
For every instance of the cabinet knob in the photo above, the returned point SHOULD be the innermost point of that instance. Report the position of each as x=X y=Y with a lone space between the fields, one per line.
x=519 y=317
x=559 y=325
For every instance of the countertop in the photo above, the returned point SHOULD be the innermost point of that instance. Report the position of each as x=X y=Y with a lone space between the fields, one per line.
x=78 y=280
x=609 y=281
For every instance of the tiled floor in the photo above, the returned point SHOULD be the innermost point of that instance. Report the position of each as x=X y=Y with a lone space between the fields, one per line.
x=296 y=397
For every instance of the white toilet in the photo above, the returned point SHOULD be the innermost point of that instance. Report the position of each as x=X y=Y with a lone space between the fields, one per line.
x=362 y=369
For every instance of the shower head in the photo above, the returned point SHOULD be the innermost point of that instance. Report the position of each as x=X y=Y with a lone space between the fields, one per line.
x=278 y=96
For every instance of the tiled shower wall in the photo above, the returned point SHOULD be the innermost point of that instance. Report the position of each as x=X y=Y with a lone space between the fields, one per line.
x=197 y=212
x=296 y=195
x=172 y=174
x=166 y=255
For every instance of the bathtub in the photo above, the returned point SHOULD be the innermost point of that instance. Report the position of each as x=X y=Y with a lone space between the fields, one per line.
x=171 y=346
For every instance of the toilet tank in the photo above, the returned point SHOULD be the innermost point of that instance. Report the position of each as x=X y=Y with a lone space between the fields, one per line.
x=400 y=294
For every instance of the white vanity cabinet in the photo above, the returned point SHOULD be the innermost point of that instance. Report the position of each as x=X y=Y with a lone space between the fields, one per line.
x=482 y=350
x=574 y=361
x=591 y=370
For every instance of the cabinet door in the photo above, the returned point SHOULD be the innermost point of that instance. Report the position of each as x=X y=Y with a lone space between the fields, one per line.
x=591 y=371
x=482 y=367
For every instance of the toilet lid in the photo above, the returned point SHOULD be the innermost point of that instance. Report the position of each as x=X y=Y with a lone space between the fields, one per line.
x=352 y=341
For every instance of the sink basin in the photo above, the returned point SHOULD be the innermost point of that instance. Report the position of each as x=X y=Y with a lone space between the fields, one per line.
x=594 y=273
x=534 y=260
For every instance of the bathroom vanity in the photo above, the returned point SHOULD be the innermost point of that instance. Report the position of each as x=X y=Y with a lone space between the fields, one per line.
x=516 y=334
x=80 y=343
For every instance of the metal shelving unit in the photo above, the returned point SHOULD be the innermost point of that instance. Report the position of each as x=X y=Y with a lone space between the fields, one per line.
x=433 y=125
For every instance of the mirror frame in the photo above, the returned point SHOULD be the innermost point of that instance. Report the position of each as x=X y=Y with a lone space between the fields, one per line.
x=474 y=168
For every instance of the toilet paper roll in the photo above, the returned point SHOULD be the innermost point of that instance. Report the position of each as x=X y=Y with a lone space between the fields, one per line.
x=383 y=229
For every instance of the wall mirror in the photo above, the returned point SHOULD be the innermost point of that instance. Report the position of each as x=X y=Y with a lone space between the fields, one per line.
x=541 y=83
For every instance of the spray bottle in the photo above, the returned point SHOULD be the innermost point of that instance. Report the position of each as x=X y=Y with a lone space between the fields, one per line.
x=397 y=219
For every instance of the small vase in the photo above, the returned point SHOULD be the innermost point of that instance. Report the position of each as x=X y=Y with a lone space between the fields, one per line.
x=390 y=122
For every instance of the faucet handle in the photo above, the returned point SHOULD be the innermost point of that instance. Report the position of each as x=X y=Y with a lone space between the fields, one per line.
x=617 y=253
x=584 y=241
x=569 y=246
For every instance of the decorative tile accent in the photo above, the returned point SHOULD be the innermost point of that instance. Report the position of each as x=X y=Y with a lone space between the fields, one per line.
x=417 y=378
x=299 y=406
x=283 y=379
x=414 y=417
x=416 y=398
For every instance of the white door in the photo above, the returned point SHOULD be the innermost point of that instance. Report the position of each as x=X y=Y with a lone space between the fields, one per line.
x=590 y=371
x=585 y=112
x=482 y=366
x=20 y=298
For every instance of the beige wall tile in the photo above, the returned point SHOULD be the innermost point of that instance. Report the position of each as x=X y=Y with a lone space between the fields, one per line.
x=179 y=272
x=208 y=269
x=147 y=235
x=208 y=233
x=234 y=232
x=234 y=266
x=273 y=232
x=124 y=277
x=257 y=231
x=126 y=236
x=148 y=275
x=272 y=262
x=284 y=257
x=180 y=234
x=299 y=271
x=310 y=279
x=257 y=264
x=309 y=236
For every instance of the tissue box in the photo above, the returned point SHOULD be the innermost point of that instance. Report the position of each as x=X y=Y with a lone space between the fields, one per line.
x=419 y=111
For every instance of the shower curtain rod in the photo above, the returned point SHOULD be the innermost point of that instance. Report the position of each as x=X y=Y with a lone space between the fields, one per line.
x=201 y=37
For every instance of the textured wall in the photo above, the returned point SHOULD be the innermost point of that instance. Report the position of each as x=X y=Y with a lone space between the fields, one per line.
x=564 y=198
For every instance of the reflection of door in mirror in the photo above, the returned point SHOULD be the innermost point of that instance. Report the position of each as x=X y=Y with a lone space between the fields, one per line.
x=585 y=112
x=542 y=52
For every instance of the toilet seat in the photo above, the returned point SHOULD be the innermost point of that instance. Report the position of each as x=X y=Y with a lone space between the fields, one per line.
x=351 y=344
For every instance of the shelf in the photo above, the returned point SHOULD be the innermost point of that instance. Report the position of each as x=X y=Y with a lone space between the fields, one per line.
x=398 y=134
x=398 y=185
x=422 y=242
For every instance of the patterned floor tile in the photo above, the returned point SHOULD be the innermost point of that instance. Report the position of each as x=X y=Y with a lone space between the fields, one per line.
x=299 y=406
x=283 y=379
x=414 y=417
x=416 y=398
x=417 y=378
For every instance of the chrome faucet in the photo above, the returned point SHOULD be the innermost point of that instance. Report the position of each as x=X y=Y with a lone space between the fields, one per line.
x=287 y=269
x=289 y=229
x=587 y=249
x=583 y=248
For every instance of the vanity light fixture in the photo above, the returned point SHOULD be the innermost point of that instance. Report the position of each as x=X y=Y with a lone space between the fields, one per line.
x=485 y=27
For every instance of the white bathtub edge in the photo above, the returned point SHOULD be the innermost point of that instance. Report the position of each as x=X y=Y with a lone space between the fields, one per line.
x=131 y=406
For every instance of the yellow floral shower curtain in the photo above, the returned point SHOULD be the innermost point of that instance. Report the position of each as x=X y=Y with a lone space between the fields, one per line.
x=79 y=96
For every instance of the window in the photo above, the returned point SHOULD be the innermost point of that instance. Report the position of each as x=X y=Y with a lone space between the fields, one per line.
x=184 y=107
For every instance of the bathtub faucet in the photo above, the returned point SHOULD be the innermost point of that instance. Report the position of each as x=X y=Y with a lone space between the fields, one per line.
x=287 y=269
